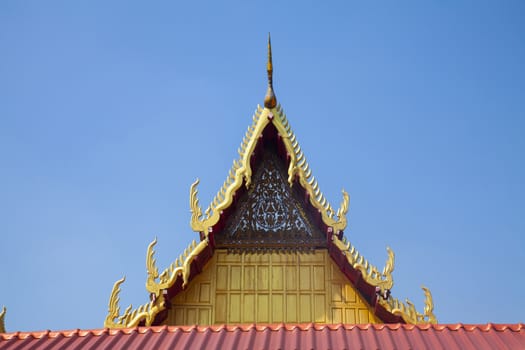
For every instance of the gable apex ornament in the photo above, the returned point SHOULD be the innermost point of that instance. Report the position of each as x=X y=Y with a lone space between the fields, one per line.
x=270 y=101
x=2 y=317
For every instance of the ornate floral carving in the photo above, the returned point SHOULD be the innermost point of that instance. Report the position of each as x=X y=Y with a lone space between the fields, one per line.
x=269 y=215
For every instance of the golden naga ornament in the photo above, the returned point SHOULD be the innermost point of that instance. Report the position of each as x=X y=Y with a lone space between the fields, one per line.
x=384 y=281
x=2 y=320
x=180 y=267
x=408 y=311
x=155 y=283
x=145 y=313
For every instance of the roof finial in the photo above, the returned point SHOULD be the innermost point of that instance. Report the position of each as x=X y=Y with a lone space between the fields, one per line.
x=270 y=101
x=2 y=324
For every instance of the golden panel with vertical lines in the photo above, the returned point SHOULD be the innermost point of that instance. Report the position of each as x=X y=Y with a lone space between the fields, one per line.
x=204 y=296
x=235 y=308
x=277 y=307
x=249 y=307
x=262 y=278
x=277 y=278
x=221 y=308
x=269 y=288
x=263 y=304
x=222 y=277
x=235 y=277
x=291 y=308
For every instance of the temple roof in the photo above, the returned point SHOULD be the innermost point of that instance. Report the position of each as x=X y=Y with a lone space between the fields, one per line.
x=277 y=336
x=270 y=125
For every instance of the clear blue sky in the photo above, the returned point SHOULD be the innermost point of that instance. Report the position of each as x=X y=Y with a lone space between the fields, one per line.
x=110 y=110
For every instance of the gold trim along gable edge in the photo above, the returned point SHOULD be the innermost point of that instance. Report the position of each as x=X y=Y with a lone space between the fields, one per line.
x=241 y=171
x=2 y=319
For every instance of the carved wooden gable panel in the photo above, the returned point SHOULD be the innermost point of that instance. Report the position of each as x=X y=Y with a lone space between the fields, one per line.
x=269 y=215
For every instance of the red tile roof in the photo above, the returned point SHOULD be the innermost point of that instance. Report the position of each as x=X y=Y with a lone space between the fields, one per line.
x=277 y=336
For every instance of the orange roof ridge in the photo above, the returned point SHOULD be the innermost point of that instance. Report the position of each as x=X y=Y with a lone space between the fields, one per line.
x=68 y=333
x=277 y=336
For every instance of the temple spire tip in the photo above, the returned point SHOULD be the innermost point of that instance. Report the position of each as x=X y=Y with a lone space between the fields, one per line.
x=270 y=101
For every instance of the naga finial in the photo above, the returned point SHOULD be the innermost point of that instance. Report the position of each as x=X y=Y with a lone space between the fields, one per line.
x=114 y=307
x=2 y=324
x=270 y=101
x=429 y=306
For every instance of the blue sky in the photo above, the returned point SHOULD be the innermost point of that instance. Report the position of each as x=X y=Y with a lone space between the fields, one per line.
x=110 y=110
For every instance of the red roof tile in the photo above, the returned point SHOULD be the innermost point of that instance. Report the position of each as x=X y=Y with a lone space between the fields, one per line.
x=277 y=336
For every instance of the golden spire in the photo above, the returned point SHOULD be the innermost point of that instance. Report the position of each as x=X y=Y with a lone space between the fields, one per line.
x=270 y=101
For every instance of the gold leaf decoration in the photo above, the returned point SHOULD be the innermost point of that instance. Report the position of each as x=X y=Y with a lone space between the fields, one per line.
x=131 y=318
x=2 y=319
x=407 y=310
x=241 y=172
x=113 y=305
x=155 y=284
x=370 y=273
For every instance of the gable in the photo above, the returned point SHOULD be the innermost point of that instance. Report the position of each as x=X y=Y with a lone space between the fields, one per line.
x=257 y=212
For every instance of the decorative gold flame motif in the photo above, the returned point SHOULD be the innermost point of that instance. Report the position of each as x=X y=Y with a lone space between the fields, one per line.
x=147 y=312
x=2 y=321
x=180 y=267
x=369 y=272
x=428 y=310
x=384 y=281
x=241 y=171
x=408 y=311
